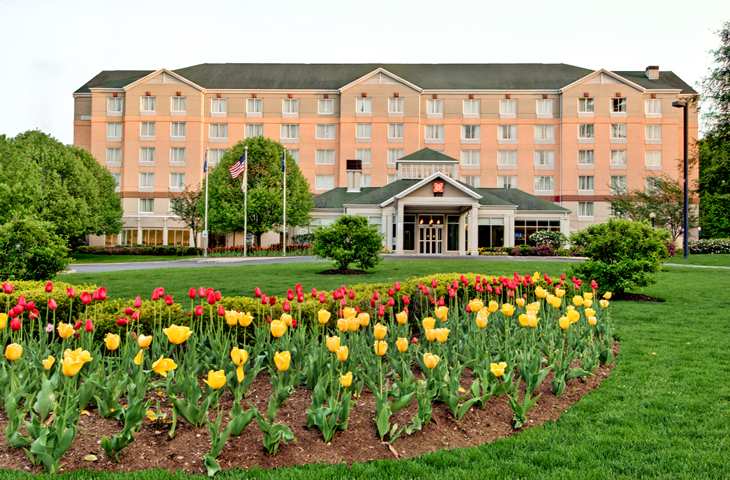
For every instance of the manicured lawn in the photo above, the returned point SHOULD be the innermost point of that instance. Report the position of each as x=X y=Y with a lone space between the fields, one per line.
x=663 y=413
x=92 y=258
x=712 y=260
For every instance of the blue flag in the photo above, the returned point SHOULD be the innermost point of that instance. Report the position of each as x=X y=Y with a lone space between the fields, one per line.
x=283 y=161
x=205 y=165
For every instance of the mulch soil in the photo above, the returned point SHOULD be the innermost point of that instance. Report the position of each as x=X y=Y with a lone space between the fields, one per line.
x=343 y=271
x=153 y=448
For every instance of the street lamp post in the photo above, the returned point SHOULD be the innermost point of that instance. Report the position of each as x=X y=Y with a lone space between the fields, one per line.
x=685 y=142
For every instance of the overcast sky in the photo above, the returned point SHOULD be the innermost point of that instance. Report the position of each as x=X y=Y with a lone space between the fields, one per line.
x=50 y=48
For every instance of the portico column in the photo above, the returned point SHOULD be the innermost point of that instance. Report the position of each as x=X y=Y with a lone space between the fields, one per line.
x=565 y=225
x=399 y=229
x=509 y=230
x=139 y=231
x=384 y=227
x=474 y=230
x=164 y=231
x=462 y=234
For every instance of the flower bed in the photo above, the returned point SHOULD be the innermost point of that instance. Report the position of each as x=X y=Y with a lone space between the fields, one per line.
x=386 y=359
x=710 y=245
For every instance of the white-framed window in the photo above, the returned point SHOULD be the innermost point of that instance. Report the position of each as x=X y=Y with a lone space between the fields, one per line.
x=618 y=183
x=147 y=155
x=470 y=108
x=290 y=107
x=543 y=184
x=508 y=108
x=177 y=155
x=146 y=205
x=653 y=133
x=651 y=184
x=324 y=157
x=114 y=156
x=254 y=107
x=585 y=209
x=114 y=105
x=365 y=155
x=363 y=132
x=653 y=159
x=544 y=134
x=506 y=181
x=218 y=106
x=618 y=105
x=618 y=158
x=324 y=182
x=393 y=155
x=544 y=108
x=147 y=104
x=214 y=156
x=326 y=131
x=395 y=131
x=254 y=130
x=177 y=129
x=177 y=182
x=618 y=132
x=470 y=133
x=147 y=129
x=363 y=106
x=146 y=181
x=434 y=133
x=507 y=133
x=366 y=181
x=470 y=158
x=471 y=180
x=117 y=181
x=326 y=106
x=586 y=158
x=114 y=130
x=653 y=107
x=586 y=132
x=586 y=183
x=507 y=159
x=289 y=132
x=178 y=104
x=294 y=154
x=396 y=105
x=434 y=107
x=586 y=106
x=544 y=159
x=218 y=131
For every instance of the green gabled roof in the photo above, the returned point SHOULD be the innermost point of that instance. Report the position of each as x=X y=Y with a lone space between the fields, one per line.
x=337 y=197
x=113 y=79
x=522 y=199
x=666 y=80
x=429 y=155
x=376 y=196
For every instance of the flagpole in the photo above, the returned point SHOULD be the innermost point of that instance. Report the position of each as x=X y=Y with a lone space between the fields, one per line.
x=244 y=187
x=283 y=167
x=205 y=228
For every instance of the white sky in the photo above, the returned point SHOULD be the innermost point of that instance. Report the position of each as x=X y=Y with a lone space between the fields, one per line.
x=50 y=48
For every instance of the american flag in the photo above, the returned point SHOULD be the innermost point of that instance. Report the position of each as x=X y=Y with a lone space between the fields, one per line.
x=238 y=168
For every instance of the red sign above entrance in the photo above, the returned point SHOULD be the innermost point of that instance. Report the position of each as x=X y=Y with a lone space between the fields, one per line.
x=438 y=189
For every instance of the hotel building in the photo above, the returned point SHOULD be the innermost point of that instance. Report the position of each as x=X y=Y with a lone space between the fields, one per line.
x=434 y=154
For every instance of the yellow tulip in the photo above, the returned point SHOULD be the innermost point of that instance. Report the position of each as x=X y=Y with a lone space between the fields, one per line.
x=363 y=318
x=163 y=366
x=3 y=320
x=442 y=313
x=13 y=352
x=442 y=334
x=177 y=334
x=603 y=303
x=353 y=324
x=589 y=312
x=498 y=369
x=607 y=296
x=430 y=360
x=588 y=303
x=333 y=343
x=401 y=318
x=592 y=321
x=48 y=362
x=559 y=292
x=587 y=295
x=475 y=305
x=428 y=323
x=65 y=330
x=520 y=302
x=346 y=380
x=572 y=315
x=73 y=360
x=532 y=320
x=144 y=341
x=282 y=360
x=493 y=306
x=380 y=331
x=343 y=325
x=139 y=358
x=577 y=300
x=112 y=341
x=342 y=353
x=555 y=302
x=240 y=375
x=278 y=328
x=231 y=317
x=380 y=347
x=239 y=356
x=287 y=319
x=430 y=334
x=540 y=292
x=564 y=322
x=349 y=312
x=508 y=309
x=535 y=277
x=323 y=316
x=533 y=307
x=402 y=344
x=482 y=318
x=522 y=320
x=216 y=379
x=245 y=319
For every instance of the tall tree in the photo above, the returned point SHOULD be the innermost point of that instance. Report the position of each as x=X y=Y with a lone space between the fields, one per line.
x=265 y=184
x=188 y=206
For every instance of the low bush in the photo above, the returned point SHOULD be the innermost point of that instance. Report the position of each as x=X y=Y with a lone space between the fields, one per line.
x=31 y=250
x=554 y=240
x=350 y=239
x=710 y=245
x=158 y=250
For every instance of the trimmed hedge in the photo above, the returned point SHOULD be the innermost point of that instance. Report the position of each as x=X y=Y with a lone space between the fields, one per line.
x=710 y=245
x=159 y=250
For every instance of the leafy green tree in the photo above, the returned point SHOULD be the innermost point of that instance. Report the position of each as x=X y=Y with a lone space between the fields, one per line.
x=189 y=205
x=31 y=250
x=265 y=183
x=349 y=240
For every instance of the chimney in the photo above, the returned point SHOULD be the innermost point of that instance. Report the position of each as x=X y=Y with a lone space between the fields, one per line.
x=652 y=72
x=354 y=175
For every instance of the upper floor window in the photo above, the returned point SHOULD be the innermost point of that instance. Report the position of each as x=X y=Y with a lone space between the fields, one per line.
x=471 y=108
x=324 y=182
x=365 y=155
x=653 y=133
x=544 y=108
x=146 y=181
x=114 y=105
x=618 y=184
x=618 y=132
x=586 y=131
x=254 y=107
x=147 y=155
x=324 y=157
x=290 y=106
x=434 y=133
x=395 y=131
x=470 y=158
x=326 y=131
x=147 y=104
x=254 y=130
x=214 y=156
x=507 y=159
x=585 y=209
x=363 y=131
x=653 y=159
x=586 y=105
x=289 y=132
x=473 y=181
x=294 y=154
x=506 y=181
x=585 y=183
x=618 y=159
x=218 y=106
x=326 y=106
x=114 y=130
x=177 y=129
x=470 y=133
x=146 y=205
x=363 y=106
x=177 y=155
x=147 y=129
x=651 y=184
x=544 y=159
x=507 y=133
x=544 y=134
x=543 y=183
x=508 y=107
x=618 y=105
x=114 y=157
x=586 y=158
x=653 y=107
x=396 y=105
x=434 y=107
x=393 y=155
x=117 y=181
x=178 y=104
x=177 y=182
x=218 y=131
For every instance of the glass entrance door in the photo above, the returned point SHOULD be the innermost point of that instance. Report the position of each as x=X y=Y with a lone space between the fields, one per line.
x=430 y=239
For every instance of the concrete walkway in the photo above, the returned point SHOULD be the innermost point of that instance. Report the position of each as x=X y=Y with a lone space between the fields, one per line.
x=681 y=265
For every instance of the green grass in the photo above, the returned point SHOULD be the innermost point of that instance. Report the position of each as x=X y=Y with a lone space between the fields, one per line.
x=93 y=258
x=720 y=259
x=663 y=413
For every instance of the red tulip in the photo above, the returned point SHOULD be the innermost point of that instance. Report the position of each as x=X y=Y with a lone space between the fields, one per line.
x=286 y=306
x=168 y=300
x=202 y=292
x=272 y=300
x=101 y=293
x=21 y=300
x=192 y=293
x=70 y=292
x=137 y=301
x=85 y=298
x=135 y=315
x=391 y=302
x=128 y=311
x=198 y=310
x=218 y=296
x=594 y=285
x=77 y=325
x=89 y=327
x=376 y=295
x=290 y=294
x=264 y=299
x=293 y=323
x=489 y=288
x=49 y=286
x=257 y=292
x=300 y=297
x=406 y=300
x=467 y=308
x=414 y=340
x=343 y=302
x=381 y=310
x=434 y=283
x=8 y=288
x=441 y=302
x=351 y=294
x=452 y=293
x=155 y=295
x=397 y=286
x=122 y=321
x=372 y=303
x=322 y=297
x=15 y=324
x=221 y=311
x=52 y=305
x=211 y=298
x=562 y=276
x=314 y=292
x=391 y=292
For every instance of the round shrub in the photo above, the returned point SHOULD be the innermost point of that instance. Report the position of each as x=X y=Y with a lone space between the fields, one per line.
x=554 y=240
x=31 y=250
x=349 y=240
